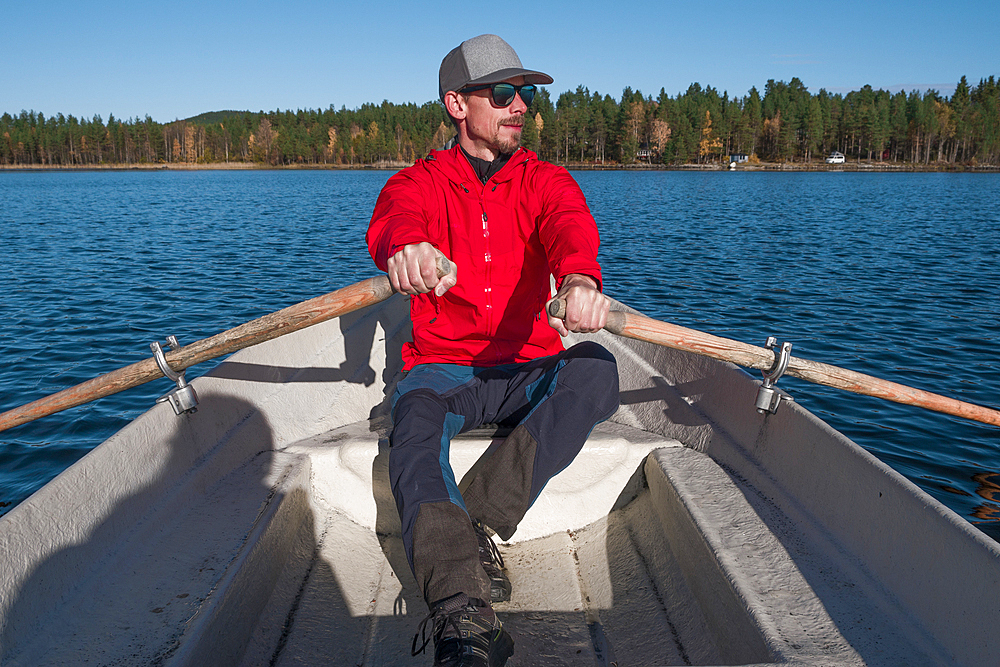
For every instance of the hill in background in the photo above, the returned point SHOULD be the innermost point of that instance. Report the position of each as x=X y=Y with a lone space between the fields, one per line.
x=212 y=117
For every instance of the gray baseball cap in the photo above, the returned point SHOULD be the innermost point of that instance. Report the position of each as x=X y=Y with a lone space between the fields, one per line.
x=483 y=59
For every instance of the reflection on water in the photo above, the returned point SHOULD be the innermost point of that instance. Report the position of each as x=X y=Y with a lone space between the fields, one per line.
x=989 y=488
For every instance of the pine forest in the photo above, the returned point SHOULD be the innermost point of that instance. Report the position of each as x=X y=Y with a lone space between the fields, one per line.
x=785 y=124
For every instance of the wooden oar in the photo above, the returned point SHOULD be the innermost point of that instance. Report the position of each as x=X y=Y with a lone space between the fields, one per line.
x=374 y=290
x=322 y=308
x=319 y=309
x=647 y=329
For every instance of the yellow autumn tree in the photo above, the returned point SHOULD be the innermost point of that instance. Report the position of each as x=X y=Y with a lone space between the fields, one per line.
x=709 y=144
x=770 y=132
x=373 y=148
x=636 y=119
x=659 y=134
x=331 y=146
x=441 y=136
x=262 y=141
x=946 y=125
x=190 y=151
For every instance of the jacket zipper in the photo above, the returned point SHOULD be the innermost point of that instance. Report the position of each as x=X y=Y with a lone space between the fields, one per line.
x=488 y=258
x=488 y=289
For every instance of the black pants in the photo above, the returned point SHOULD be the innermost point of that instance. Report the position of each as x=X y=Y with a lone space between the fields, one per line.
x=553 y=403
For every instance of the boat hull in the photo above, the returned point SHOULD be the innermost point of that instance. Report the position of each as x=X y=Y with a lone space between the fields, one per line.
x=691 y=530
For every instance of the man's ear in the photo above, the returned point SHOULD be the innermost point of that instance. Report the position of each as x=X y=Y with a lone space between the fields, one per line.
x=454 y=103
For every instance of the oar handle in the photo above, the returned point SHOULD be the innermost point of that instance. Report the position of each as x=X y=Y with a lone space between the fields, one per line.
x=557 y=308
x=614 y=323
x=647 y=329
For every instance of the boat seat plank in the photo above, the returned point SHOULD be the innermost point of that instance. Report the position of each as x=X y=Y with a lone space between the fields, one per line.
x=792 y=589
x=350 y=475
x=360 y=604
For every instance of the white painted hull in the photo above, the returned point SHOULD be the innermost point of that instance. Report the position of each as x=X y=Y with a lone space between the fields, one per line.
x=691 y=530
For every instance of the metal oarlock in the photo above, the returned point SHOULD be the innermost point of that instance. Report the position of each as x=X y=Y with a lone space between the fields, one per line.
x=768 y=396
x=182 y=398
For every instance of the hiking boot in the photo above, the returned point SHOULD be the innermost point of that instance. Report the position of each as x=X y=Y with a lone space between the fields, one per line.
x=489 y=556
x=466 y=633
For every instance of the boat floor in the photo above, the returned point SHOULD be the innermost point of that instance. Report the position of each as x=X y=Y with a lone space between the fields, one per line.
x=684 y=567
x=356 y=602
x=676 y=562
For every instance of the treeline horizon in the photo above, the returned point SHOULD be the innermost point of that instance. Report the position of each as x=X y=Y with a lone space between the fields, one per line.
x=786 y=123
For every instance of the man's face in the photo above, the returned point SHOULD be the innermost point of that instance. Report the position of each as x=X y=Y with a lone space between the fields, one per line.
x=493 y=127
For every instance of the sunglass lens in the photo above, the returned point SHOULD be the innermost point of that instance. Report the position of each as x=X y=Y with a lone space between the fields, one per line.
x=503 y=94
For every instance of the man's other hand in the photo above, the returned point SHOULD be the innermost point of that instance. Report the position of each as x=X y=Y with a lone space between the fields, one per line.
x=586 y=307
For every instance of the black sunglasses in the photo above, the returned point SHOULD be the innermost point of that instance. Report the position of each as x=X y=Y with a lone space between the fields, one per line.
x=503 y=93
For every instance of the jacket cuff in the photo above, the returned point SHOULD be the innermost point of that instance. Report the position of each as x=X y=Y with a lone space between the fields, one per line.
x=594 y=275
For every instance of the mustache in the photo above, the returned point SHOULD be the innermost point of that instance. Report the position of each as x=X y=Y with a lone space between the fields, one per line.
x=513 y=121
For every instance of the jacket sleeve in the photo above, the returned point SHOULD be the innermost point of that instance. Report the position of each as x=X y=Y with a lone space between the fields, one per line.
x=567 y=228
x=399 y=218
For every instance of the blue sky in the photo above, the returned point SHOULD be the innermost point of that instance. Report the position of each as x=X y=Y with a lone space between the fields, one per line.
x=177 y=59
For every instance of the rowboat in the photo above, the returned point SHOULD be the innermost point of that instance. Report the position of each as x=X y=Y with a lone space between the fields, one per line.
x=693 y=529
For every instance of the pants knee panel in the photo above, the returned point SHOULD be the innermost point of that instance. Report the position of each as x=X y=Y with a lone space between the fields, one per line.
x=594 y=366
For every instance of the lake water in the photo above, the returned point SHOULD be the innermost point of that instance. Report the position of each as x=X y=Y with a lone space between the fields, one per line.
x=894 y=275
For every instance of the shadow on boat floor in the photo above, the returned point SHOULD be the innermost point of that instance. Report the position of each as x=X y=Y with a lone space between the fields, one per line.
x=561 y=612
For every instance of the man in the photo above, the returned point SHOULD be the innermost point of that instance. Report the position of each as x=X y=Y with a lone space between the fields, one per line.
x=484 y=350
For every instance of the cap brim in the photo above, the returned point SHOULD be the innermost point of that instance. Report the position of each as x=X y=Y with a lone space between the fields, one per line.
x=530 y=76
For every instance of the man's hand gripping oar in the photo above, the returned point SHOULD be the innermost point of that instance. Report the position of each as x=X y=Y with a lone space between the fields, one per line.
x=646 y=329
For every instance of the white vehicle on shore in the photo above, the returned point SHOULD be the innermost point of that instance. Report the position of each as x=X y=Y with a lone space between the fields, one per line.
x=835 y=158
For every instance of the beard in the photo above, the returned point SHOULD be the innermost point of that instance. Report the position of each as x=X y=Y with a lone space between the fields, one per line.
x=505 y=141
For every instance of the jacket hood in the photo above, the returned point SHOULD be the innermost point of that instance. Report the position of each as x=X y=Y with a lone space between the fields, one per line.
x=453 y=164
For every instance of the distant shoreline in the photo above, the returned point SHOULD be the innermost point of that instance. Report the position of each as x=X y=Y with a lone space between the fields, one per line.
x=852 y=166
x=887 y=167
x=207 y=166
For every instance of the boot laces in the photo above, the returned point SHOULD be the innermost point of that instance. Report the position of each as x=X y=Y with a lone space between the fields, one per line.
x=440 y=619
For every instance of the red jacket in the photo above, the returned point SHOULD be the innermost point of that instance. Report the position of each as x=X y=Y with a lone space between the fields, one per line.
x=529 y=220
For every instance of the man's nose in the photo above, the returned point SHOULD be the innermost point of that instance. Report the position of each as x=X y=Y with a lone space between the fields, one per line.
x=518 y=105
